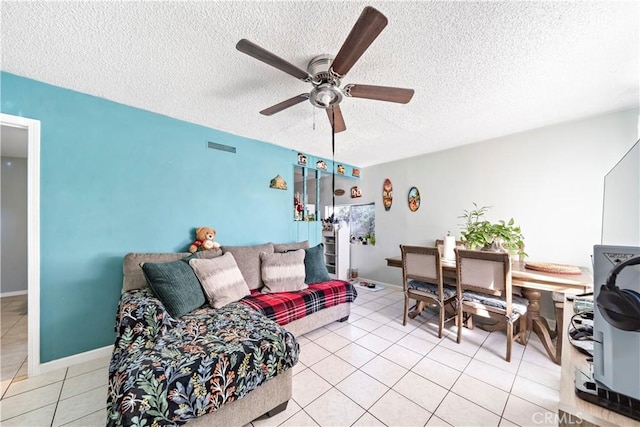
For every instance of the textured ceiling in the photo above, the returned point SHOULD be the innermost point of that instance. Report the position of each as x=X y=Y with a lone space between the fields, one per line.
x=479 y=69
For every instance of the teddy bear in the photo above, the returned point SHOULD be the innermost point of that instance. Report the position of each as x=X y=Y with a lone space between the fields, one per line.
x=204 y=240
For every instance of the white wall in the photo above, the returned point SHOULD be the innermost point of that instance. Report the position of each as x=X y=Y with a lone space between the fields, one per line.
x=550 y=180
x=14 y=225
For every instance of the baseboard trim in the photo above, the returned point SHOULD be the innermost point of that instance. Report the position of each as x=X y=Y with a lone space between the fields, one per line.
x=364 y=279
x=75 y=359
x=13 y=294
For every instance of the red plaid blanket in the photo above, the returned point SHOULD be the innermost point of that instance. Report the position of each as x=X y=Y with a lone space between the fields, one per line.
x=285 y=307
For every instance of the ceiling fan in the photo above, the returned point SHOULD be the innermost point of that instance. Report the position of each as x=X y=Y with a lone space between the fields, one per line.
x=325 y=72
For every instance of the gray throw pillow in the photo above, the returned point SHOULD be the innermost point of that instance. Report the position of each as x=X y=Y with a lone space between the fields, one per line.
x=286 y=247
x=248 y=260
x=176 y=286
x=315 y=268
x=221 y=279
x=283 y=272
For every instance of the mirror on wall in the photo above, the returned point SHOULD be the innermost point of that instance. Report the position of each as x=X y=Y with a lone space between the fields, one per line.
x=305 y=194
x=313 y=193
x=343 y=186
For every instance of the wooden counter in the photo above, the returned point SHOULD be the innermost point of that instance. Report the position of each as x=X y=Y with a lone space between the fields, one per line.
x=573 y=411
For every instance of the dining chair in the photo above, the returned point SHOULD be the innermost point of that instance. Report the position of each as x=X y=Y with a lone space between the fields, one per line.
x=485 y=281
x=422 y=281
x=440 y=244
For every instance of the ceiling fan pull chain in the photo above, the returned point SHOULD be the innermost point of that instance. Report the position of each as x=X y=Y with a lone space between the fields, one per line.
x=333 y=163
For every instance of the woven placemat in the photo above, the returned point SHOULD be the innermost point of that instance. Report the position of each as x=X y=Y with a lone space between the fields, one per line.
x=550 y=267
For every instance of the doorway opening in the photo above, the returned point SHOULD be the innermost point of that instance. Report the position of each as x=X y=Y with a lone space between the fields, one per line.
x=32 y=128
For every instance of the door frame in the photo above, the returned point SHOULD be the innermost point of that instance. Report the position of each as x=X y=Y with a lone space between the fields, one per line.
x=33 y=235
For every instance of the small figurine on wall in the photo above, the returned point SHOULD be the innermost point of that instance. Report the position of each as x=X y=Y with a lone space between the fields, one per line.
x=387 y=194
x=341 y=169
x=302 y=159
x=355 y=172
x=414 y=199
x=321 y=165
x=278 y=182
x=355 y=192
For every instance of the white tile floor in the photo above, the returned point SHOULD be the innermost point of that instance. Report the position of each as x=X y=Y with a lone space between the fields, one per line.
x=369 y=371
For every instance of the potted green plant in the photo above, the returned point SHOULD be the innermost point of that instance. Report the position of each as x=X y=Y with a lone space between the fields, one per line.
x=480 y=234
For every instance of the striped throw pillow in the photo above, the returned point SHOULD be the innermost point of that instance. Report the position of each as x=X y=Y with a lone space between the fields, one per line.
x=221 y=279
x=283 y=272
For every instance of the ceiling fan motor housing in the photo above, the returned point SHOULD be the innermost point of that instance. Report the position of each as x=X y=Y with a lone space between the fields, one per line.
x=326 y=92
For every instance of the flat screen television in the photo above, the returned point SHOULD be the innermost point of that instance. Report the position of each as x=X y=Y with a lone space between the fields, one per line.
x=621 y=201
x=616 y=358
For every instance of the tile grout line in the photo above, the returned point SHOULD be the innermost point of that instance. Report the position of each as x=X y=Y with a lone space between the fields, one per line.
x=509 y=393
x=55 y=410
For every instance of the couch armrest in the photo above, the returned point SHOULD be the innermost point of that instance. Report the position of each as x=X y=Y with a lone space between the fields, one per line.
x=141 y=314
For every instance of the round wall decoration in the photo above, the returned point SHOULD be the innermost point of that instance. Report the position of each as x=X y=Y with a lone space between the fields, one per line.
x=387 y=194
x=414 y=199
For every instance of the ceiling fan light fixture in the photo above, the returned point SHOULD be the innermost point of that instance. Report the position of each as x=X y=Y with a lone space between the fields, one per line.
x=325 y=71
x=325 y=96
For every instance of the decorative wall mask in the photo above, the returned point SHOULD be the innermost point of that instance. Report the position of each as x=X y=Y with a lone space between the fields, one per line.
x=387 y=194
x=278 y=182
x=355 y=172
x=302 y=159
x=414 y=199
x=321 y=165
x=355 y=192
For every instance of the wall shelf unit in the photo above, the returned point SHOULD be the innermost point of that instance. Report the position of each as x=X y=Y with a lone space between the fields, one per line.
x=336 y=251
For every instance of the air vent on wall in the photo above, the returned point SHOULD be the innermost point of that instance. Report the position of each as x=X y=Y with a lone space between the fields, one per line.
x=222 y=147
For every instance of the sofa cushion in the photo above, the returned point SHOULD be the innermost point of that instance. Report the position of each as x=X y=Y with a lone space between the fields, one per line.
x=286 y=307
x=315 y=268
x=205 y=360
x=221 y=279
x=133 y=276
x=176 y=285
x=283 y=272
x=286 y=247
x=248 y=260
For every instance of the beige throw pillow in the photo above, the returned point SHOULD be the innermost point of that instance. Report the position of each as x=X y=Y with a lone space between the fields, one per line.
x=248 y=259
x=283 y=272
x=221 y=279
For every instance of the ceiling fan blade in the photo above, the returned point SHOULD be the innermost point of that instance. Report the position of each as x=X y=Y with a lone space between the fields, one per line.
x=252 y=49
x=339 y=126
x=284 y=104
x=368 y=26
x=380 y=93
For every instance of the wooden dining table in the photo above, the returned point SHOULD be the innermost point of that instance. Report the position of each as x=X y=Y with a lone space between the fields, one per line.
x=532 y=283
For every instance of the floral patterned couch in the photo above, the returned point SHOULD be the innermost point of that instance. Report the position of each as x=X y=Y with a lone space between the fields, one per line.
x=224 y=366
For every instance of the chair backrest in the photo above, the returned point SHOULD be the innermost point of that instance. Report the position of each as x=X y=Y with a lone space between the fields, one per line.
x=485 y=272
x=440 y=244
x=421 y=263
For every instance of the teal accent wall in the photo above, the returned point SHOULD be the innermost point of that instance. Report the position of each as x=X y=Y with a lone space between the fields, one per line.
x=116 y=179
